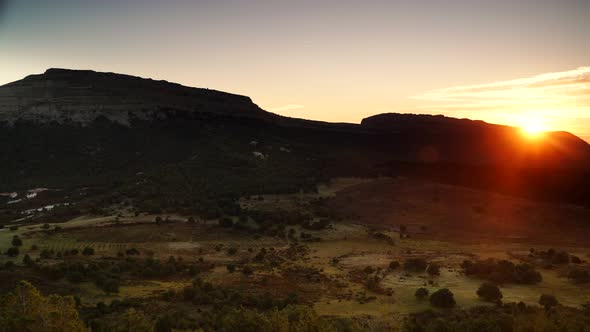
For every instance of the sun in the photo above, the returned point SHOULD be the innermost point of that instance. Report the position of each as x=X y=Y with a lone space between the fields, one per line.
x=533 y=129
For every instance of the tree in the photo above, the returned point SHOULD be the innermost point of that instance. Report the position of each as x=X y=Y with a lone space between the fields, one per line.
x=421 y=293
x=394 y=265
x=415 y=265
x=25 y=309
x=45 y=254
x=442 y=298
x=231 y=268
x=135 y=321
x=232 y=251
x=27 y=260
x=88 y=251
x=433 y=269
x=548 y=301
x=46 y=226
x=12 y=252
x=164 y=324
x=110 y=286
x=489 y=292
x=226 y=222
x=16 y=241
x=246 y=270
x=579 y=276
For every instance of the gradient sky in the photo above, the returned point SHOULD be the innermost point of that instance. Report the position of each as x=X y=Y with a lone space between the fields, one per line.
x=503 y=61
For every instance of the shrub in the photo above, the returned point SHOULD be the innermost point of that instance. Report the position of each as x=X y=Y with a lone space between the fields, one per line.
x=226 y=222
x=548 y=301
x=246 y=270
x=421 y=293
x=110 y=286
x=132 y=252
x=502 y=271
x=579 y=276
x=231 y=268
x=394 y=265
x=16 y=241
x=442 y=298
x=232 y=251
x=27 y=260
x=12 y=252
x=489 y=292
x=45 y=254
x=433 y=269
x=88 y=251
x=561 y=257
x=415 y=265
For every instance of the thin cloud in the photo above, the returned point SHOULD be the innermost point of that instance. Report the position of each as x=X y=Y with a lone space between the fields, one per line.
x=552 y=99
x=288 y=107
x=570 y=88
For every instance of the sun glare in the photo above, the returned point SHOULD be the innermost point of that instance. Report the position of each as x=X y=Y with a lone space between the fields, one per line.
x=533 y=129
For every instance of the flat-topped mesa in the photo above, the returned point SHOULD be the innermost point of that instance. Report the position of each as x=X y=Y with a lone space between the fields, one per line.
x=84 y=95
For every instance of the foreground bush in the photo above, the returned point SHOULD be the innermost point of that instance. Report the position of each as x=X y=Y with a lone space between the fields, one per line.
x=290 y=319
x=25 y=309
x=510 y=317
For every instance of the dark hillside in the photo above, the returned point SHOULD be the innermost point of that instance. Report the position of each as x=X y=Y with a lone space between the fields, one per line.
x=175 y=147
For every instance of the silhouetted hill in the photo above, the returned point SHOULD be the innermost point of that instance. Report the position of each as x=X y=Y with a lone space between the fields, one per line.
x=84 y=95
x=171 y=147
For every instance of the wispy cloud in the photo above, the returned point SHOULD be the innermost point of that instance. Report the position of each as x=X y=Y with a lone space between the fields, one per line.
x=556 y=101
x=288 y=107
x=570 y=89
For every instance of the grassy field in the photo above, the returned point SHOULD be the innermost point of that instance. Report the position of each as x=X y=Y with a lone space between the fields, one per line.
x=328 y=273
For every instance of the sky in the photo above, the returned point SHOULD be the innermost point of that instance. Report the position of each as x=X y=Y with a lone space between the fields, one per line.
x=515 y=62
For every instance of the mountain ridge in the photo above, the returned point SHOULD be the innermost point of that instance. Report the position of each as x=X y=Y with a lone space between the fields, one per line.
x=41 y=95
x=71 y=129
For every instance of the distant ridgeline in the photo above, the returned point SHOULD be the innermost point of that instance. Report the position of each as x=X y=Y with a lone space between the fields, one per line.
x=178 y=147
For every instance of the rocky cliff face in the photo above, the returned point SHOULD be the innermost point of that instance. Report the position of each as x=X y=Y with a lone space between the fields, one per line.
x=82 y=96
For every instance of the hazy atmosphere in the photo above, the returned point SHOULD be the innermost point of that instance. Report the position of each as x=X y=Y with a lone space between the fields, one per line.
x=520 y=63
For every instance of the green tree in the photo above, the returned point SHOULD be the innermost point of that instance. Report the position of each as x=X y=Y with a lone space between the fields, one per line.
x=27 y=260
x=421 y=293
x=16 y=241
x=26 y=309
x=135 y=321
x=489 y=292
x=433 y=269
x=394 y=265
x=442 y=298
x=12 y=252
x=548 y=301
x=247 y=270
